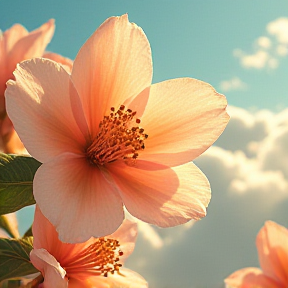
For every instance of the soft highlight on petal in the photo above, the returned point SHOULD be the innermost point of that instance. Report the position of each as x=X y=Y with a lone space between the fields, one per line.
x=82 y=203
x=162 y=196
x=112 y=66
x=53 y=273
x=40 y=104
x=183 y=118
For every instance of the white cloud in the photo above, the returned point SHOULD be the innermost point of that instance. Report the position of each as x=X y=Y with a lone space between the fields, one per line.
x=279 y=28
x=264 y=42
x=234 y=83
x=248 y=173
x=267 y=49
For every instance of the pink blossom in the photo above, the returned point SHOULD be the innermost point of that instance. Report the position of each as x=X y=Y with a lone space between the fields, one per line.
x=16 y=45
x=272 y=245
x=94 y=263
x=108 y=138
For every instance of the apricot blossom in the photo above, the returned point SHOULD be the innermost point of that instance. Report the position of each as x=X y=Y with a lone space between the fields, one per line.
x=272 y=245
x=108 y=138
x=16 y=45
x=94 y=263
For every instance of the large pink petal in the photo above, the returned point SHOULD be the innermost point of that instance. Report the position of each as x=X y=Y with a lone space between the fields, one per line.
x=164 y=197
x=251 y=278
x=273 y=251
x=77 y=199
x=183 y=118
x=41 y=104
x=53 y=273
x=126 y=234
x=113 y=65
x=31 y=45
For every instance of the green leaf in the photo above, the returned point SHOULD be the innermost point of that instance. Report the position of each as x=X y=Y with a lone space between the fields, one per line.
x=16 y=182
x=14 y=258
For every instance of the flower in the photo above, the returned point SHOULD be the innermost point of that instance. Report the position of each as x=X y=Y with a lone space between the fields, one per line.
x=9 y=226
x=108 y=138
x=272 y=245
x=95 y=263
x=16 y=45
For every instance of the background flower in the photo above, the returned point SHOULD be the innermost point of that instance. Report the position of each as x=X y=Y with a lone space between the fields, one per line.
x=16 y=45
x=272 y=245
x=97 y=262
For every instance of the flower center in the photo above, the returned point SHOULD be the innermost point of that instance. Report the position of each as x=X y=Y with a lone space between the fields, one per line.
x=99 y=258
x=117 y=138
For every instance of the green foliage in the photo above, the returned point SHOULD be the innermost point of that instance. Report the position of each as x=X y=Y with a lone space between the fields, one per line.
x=16 y=182
x=14 y=258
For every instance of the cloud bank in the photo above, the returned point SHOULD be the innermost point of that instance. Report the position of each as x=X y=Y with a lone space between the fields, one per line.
x=248 y=172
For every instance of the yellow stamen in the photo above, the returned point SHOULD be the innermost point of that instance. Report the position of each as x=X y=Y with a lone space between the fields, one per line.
x=116 y=138
x=100 y=258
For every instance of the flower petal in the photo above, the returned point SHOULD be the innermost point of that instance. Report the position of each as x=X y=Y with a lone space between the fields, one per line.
x=273 y=251
x=12 y=35
x=250 y=278
x=77 y=199
x=41 y=104
x=53 y=273
x=183 y=118
x=32 y=45
x=127 y=279
x=45 y=236
x=95 y=282
x=113 y=65
x=164 y=197
x=66 y=62
x=7 y=41
x=126 y=234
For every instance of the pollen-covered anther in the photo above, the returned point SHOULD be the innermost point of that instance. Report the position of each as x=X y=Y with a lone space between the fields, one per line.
x=101 y=258
x=117 y=138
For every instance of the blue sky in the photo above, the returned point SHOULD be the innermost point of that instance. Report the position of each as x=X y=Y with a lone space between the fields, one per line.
x=188 y=38
x=230 y=45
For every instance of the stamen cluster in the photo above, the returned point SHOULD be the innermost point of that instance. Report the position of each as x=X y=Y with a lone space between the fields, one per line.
x=116 y=138
x=99 y=258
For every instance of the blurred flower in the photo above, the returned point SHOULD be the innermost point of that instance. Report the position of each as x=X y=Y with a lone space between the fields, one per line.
x=85 y=129
x=16 y=45
x=95 y=263
x=272 y=245
x=9 y=226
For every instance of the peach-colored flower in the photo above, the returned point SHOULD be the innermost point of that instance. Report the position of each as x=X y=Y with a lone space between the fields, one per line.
x=10 y=222
x=272 y=245
x=16 y=45
x=85 y=128
x=95 y=263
